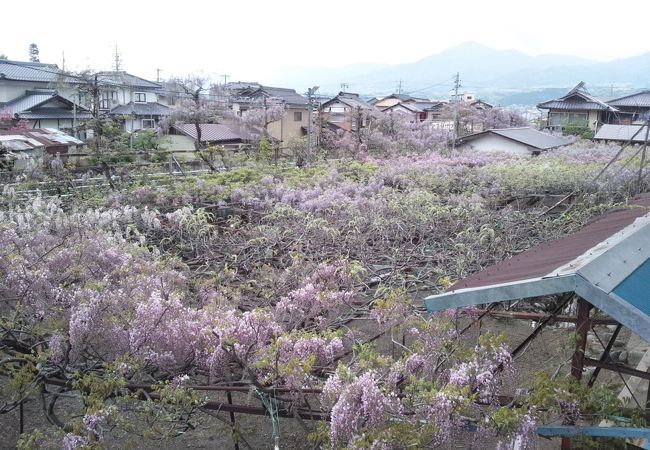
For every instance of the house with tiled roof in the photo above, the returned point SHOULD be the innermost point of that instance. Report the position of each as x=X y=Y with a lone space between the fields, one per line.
x=347 y=111
x=632 y=109
x=294 y=122
x=578 y=109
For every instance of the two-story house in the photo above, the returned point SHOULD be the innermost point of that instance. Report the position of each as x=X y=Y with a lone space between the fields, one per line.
x=294 y=121
x=347 y=111
x=40 y=94
x=131 y=100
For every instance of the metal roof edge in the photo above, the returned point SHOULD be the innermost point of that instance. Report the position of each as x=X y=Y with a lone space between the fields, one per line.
x=616 y=307
x=593 y=253
x=534 y=287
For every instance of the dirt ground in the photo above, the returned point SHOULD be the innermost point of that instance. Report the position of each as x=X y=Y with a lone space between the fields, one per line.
x=552 y=348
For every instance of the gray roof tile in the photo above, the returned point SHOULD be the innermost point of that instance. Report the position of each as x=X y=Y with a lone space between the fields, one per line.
x=640 y=99
x=525 y=135
x=621 y=133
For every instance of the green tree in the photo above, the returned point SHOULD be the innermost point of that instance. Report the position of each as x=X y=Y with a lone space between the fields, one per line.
x=33 y=53
x=3 y=56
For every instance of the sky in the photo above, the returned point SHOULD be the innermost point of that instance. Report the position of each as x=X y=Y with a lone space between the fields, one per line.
x=253 y=39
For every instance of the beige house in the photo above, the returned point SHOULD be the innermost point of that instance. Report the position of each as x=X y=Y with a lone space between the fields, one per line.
x=294 y=122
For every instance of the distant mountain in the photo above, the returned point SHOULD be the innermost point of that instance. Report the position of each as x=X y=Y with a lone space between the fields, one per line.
x=499 y=75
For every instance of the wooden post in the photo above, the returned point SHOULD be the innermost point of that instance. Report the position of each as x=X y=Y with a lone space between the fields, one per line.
x=578 y=360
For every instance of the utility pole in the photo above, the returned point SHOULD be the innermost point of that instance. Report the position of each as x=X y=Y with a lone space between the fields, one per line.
x=225 y=79
x=63 y=60
x=344 y=87
x=399 y=86
x=158 y=74
x=310 y=95
x=455 y=101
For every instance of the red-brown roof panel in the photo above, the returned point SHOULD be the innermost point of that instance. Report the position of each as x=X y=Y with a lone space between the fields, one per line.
x=542 y=259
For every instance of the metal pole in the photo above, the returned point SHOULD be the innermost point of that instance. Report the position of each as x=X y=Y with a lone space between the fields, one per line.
x=310 y=92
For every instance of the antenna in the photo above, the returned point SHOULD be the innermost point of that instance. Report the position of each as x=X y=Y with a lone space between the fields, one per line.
x=117 y=62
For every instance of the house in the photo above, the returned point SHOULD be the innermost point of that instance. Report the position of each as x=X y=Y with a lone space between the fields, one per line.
x=420 y=111
x=137 y=116
x=45 y=108
x=632 y=109
x=46 y=96
x=347 y=111
x=294 y=122
x=25 y=144
x=578 y=109
x=396 y=99
x=40 y=94
x=131 y=100
x=519 y=141
x=183 y=136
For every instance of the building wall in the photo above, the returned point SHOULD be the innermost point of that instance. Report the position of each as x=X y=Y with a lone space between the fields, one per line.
x=494 y=143
x=10 y=90
x=288 y=128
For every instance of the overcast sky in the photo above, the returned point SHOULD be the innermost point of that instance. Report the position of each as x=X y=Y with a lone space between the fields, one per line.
x=250 y=40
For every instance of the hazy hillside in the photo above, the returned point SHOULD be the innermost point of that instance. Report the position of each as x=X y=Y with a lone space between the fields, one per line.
x=503 y=76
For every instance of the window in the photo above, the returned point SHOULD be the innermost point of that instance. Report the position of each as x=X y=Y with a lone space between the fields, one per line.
x=140 y=97
x=563 y=119
x=297 y=116
x=106 y=98
x=148 y=123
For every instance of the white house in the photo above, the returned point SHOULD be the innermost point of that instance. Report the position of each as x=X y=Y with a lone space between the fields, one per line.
x=518 y=141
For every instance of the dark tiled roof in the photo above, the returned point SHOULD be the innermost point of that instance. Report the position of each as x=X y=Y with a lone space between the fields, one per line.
x=289 y=96
x=572 y=106
x=640 y=99
x=56 y=113
x=351 y=100
x=544 y=258
x=142 y=109
x=30 y=106
x=29 y=71
x=210 y=132
x=525 y=135
x=126 y=79
x=29 y=100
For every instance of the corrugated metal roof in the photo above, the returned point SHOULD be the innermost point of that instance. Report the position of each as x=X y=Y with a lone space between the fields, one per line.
x=29 y=71
x=640 y=99
x=143 y=109
x=210 y=132
x=527 y=136
x=621 y=133
x=544 y=258
x=36 y=137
